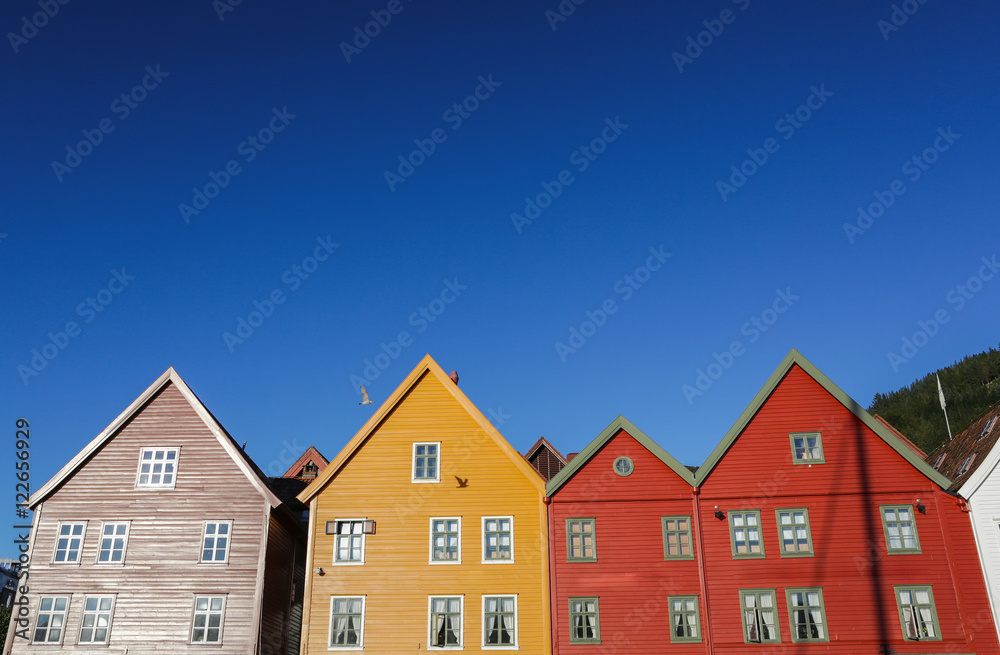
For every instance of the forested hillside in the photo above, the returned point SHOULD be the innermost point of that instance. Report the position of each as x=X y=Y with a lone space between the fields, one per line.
x=971 y=386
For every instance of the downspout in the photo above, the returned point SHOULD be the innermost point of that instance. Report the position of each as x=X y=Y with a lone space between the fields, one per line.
x=705 y=628
x=550 y=553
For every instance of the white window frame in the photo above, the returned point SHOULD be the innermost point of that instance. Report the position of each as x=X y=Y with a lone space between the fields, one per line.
x=430 y=554
x=50 y=614
x=413 y=463
x=173 y=480
x=204 y=535
x=79 y=549
x=517 y=630
x=361 y=631
x=510 y=560
x=208 y=613
x=336 y=539
x=461 y=627
x=97 y=613
x=102 y=537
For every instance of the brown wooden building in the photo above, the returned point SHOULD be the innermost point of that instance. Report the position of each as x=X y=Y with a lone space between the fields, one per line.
x=161 y=536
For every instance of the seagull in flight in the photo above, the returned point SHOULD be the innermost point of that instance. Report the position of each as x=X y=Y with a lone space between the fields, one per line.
x=462 y=483
x=365 y=400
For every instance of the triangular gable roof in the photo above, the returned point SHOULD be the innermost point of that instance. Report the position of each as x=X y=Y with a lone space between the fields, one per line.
x=427 y=366
x=310 y=454
x=899 y=435
x=544 y=443
x=170 y=376
x=794 y=358
x=967 y=443
x=620 y=423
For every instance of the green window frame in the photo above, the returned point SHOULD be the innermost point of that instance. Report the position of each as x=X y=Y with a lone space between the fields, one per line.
x=807 y=615
x=807 y=447
x=917 y=613
x=745 y=533
x=900 y=526
x=794 y=533
x=581 y=540
x=760 y=616
x=585 y=620
x=685 y=619
x=677 y=543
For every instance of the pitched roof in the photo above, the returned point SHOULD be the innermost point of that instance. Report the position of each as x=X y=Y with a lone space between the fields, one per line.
x=427 y=366
x=899 y=435
x=311 y=454
x=795 y=358
x=975 y=441
x=544 y=443
x=620 y=423
x=170 y=376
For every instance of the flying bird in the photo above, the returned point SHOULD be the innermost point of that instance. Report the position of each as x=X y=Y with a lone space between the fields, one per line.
x=462 y=483
x=365 y=400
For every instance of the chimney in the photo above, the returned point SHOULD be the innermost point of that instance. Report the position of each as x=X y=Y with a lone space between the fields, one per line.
x=454 y=376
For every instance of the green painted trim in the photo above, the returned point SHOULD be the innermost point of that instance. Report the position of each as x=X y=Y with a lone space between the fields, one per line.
x=674 y=639
x=791 y=615
x=732 y=534
x=781 y=540
x=774 y=608
x=792 y=358
x=597 y=619
x=899 y=610
x=620 y=423
x=663 y=526
x=593 y=533
x=631 y=466
x=885 y=530
x=819 y=438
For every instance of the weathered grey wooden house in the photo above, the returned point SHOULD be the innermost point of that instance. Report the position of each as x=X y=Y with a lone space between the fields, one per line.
x=161 y=536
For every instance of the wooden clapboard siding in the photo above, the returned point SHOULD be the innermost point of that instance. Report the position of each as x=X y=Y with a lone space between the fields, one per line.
x=631 y=577
x=156 y=586
x=374 y=482
x=281 y=610
x=862 y=471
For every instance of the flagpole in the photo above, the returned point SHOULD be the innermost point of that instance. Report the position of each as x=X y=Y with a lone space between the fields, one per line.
x=941 y=397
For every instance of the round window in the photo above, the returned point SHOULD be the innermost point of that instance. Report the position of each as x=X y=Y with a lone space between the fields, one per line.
x=624 y=466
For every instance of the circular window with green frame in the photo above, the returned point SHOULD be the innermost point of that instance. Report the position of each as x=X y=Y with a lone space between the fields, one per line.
x=624 y=466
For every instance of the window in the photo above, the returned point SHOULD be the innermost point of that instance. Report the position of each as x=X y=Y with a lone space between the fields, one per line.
x=446 y=541
x=940 y=458
x=580 y=545
x=623 y=466
x=425 y=462
x=793 y=532
x=760 y=620
x=806 y=615
x=677 y=537
x=499 y=622
x=900 y=529
x=917 y=613
x=70 y=542
x=347 y=622
x=987 y=428
x=744 y=528
x=966 y=463
x=206 y=628
x=584 y=621
x=51 y=619
x=684 y=619
x=215 y=541
x=157 y=468
x=96 y=621
x=498 y=539
x=445 y=625
x=807 y=447
x=112 y=547
x=349 y=541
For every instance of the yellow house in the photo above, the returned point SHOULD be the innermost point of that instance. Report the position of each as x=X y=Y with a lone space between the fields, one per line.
x=427 y=532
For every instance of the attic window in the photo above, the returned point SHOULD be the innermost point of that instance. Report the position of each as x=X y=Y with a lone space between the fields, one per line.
x=807 y=447
x=966 y=464
x=309 y=470
x=157 y=468
x=987 y=428
x=940 y=458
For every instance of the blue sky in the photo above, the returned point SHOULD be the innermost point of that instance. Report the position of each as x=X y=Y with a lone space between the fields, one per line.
x=584 y=147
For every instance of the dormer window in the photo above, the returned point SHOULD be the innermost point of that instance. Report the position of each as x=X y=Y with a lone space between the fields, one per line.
x=157 y=468
x=939 y=460
x=987 y=428
x=964 y=468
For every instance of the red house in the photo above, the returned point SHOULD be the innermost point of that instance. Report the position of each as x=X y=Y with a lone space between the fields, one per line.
x=623 y=549
x=824 y=532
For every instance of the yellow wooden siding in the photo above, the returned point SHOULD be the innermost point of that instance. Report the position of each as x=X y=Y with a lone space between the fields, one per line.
x=396 y=577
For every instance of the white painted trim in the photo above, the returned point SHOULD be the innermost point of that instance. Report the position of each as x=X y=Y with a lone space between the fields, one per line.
x=413 y=463
x=461 y=628
x=361 y=635
x=229 y=540
x=222 y=621
x=111 y=619
x=100 y=538
x=517 y=626
x=55 y=549
x=364 y=544
x=430 y=539
x=157 y=487
x=482 y=539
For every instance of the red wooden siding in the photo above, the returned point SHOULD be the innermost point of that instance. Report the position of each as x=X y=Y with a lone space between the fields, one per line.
x=630 y=577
